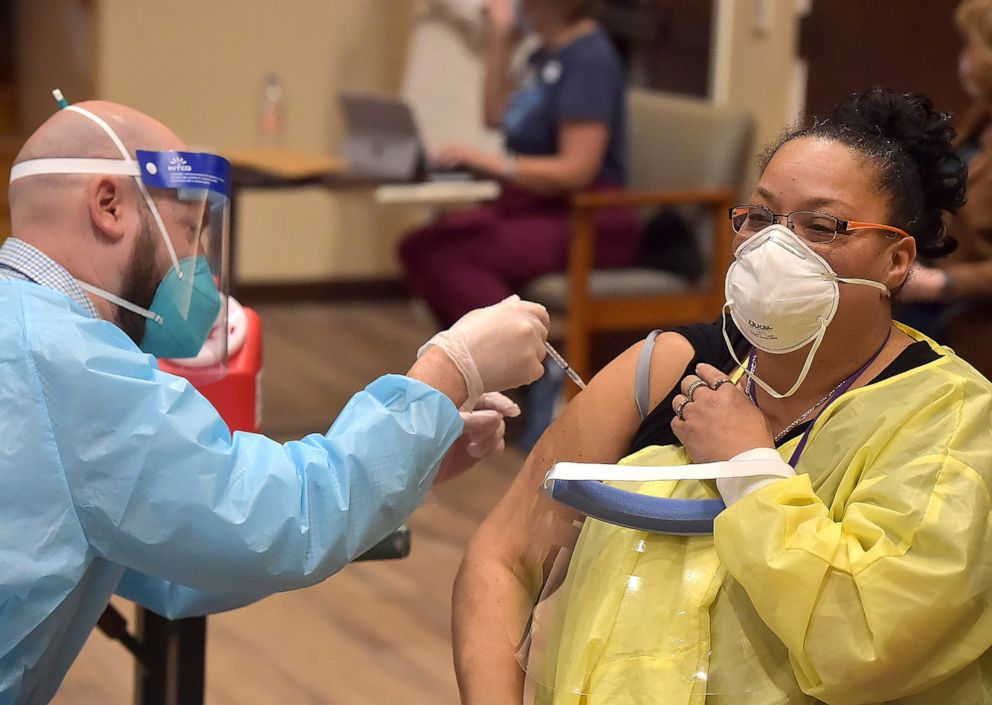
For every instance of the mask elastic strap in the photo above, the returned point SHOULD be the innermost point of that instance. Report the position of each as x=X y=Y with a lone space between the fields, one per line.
x=113 y=298
x=853 y=280
x=760 y=382
x=102 y=124
x=726 y=338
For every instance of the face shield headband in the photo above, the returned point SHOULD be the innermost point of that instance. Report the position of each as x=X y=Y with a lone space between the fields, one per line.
x=178 y=170
x=197 y=178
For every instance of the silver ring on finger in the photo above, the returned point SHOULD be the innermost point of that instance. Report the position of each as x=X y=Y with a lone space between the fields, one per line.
x=681 y=407
x=716 y=385
x=693 y=387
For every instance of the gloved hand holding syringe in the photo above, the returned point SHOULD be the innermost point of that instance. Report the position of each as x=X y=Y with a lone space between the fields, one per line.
x=469 y=344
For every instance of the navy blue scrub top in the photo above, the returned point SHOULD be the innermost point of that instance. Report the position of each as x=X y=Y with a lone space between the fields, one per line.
x=581 y=81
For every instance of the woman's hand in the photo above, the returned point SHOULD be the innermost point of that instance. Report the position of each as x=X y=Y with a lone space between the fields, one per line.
x=501 y=15
x=715 y=420
x=461 y=155
x=924 y=284
x=483 y=435
x=453 y=155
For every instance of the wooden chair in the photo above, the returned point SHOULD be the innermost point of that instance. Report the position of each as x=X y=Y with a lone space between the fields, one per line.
x=684 y=152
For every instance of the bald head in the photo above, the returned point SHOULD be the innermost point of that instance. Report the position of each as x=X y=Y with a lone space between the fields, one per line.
x=69 y=134
x=87 y=223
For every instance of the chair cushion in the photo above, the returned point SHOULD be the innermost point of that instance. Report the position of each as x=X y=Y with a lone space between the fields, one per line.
x=679 y=142
x=552 y=289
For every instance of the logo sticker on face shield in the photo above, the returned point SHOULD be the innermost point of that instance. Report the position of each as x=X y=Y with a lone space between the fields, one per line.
x=179 y=164
x=189 y=170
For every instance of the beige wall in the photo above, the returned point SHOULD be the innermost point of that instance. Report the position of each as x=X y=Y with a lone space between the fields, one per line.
x=756 y=67
x=199 y=67
x=443 y=77
x=54 y=50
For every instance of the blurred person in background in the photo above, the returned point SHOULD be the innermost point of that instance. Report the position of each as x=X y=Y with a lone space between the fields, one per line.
x=564 y=130
x=564 y=126
x=952 y=300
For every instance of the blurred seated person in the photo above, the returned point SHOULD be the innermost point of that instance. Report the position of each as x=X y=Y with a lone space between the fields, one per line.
x=851 y=563
x=939 y=293
x=564 y=130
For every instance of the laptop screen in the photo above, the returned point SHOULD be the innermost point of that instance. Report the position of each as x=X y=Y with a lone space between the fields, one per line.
x=381 y=138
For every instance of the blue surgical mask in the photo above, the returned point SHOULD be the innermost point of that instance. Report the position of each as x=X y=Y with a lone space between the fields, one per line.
x=184 y=313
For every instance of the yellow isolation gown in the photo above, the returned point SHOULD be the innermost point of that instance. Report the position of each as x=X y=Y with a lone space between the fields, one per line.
x=864 y=579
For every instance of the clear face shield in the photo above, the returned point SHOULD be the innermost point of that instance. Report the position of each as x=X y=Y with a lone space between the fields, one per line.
x=190 y=305
x=639 y=608
x=185 y=316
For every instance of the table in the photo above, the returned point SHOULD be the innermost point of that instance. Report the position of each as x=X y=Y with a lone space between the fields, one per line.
x=271 y=168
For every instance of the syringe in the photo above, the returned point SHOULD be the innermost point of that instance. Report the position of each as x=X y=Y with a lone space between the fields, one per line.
x=560 y=361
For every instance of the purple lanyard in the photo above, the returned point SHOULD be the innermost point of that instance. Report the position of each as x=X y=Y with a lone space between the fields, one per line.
x=830 y=400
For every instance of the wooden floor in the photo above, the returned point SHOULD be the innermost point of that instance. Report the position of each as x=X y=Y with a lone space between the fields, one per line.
x=375 y=634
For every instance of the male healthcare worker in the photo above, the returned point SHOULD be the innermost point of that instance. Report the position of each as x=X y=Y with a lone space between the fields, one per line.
x=115 y=476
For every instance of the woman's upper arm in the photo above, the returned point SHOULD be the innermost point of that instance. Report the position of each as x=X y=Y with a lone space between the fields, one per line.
x=582 y=147
x=589 y=103
x=596 y=427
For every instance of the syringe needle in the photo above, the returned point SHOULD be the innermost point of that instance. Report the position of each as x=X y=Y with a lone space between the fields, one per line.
x=560 y=361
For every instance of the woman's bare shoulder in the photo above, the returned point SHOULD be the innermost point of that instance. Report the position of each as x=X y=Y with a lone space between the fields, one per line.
x=599 y=423
x=597 y=426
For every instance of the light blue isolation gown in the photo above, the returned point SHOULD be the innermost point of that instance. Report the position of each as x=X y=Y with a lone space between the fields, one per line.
x=115 y=476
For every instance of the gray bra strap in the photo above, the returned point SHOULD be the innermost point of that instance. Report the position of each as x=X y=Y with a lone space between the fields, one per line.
x=642 y=388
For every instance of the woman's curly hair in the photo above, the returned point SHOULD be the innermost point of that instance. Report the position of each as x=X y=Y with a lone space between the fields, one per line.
x=909 y=142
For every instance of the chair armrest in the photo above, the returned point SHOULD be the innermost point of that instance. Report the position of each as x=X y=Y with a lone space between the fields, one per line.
x=582 y=248
x=584 y=204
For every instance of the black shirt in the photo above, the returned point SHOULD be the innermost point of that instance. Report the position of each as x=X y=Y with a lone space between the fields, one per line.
x=707 y=340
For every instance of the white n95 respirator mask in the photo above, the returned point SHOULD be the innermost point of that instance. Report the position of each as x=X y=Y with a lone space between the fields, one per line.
x=782 y=296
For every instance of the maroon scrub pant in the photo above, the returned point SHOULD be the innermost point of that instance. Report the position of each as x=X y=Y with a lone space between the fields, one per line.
x=477 y=257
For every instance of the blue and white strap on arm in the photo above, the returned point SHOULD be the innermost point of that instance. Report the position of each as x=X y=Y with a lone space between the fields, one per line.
x=580 y=486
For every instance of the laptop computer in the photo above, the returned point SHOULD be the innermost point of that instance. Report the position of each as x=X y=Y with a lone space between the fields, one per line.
x=382 y=141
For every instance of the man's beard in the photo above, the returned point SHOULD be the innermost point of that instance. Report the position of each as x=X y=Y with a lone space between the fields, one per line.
x=141 y=281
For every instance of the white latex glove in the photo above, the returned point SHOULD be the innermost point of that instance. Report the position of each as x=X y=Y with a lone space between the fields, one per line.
x=497 y=347
x=481 y=437
x=501 y=14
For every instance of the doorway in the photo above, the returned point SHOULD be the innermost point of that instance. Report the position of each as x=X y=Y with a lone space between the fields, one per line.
x=909 y=46
x=666 y=44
